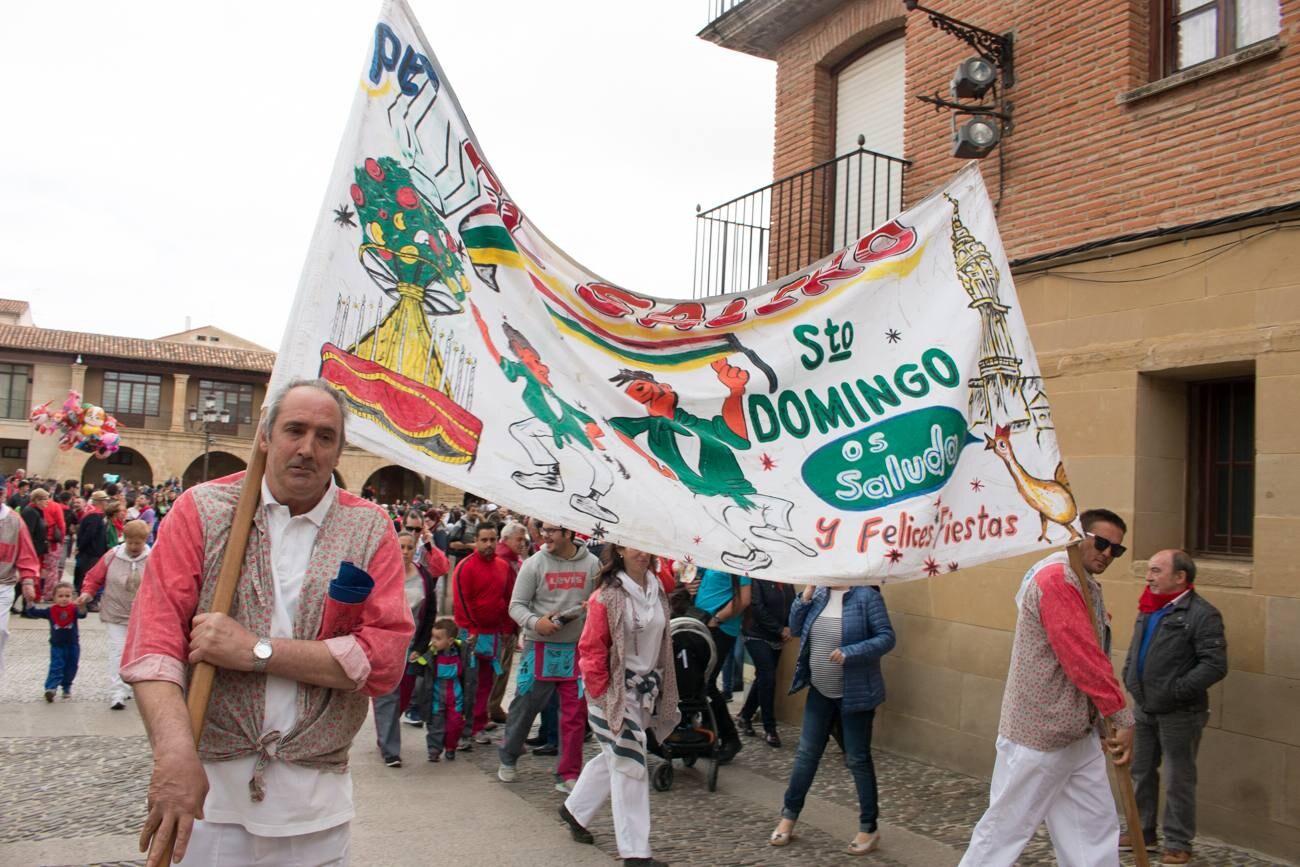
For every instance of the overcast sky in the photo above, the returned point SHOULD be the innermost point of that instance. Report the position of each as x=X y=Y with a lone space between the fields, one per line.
x=165 y=160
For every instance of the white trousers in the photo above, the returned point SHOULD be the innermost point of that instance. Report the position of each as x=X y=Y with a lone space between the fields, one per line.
x=629 y=798
x=221 y=844
x=1067 y=788
x=6 y=599
x=116 y=635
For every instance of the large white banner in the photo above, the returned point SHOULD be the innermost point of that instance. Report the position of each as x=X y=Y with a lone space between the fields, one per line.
x=877 y=417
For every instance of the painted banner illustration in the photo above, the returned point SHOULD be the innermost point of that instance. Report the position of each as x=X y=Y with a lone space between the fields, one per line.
x=878 y=416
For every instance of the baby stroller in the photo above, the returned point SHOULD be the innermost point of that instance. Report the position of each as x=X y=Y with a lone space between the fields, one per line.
x=694 y=658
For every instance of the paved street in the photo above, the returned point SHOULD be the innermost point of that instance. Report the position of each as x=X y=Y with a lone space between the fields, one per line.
x=74 y=776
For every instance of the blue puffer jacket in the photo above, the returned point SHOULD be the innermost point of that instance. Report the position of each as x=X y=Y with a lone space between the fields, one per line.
x=868 y=636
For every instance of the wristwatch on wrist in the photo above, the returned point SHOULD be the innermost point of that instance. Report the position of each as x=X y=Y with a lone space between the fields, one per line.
x=261 y=654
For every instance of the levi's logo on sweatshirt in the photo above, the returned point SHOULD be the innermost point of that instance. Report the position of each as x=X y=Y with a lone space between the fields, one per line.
x=566 y=580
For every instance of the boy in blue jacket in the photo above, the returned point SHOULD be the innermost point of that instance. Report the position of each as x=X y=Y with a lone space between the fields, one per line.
x=65 y=639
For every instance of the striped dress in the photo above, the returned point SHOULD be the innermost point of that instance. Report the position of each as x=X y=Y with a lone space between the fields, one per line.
x=824 y=637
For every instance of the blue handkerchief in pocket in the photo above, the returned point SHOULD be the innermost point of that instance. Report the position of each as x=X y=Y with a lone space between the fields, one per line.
x=351 y=585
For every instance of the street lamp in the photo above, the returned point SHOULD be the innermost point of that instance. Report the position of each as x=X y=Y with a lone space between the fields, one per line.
x=204 y=419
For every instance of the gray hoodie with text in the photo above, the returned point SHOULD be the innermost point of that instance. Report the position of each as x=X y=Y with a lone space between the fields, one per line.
x=548 y=584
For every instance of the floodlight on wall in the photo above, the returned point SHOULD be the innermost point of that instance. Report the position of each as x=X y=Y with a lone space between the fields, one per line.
x=983 y=124
x=973 y=78
x=975 y=138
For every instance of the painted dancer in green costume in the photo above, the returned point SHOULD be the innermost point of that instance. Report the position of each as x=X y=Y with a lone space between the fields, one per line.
x=716 y=479
x=558 y=437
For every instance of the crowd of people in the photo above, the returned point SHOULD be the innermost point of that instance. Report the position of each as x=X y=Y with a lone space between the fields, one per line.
x=429 y=612
x=588 y=623
x=106 y=533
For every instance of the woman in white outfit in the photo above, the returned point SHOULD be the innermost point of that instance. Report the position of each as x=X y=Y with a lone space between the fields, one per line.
x=118 y=572
x=626 y=658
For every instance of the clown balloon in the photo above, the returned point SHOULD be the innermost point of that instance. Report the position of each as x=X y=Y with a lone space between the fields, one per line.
x=79 y=425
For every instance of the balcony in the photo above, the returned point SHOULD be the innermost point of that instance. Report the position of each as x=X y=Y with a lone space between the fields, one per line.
x=794 y=221
x=758 y=27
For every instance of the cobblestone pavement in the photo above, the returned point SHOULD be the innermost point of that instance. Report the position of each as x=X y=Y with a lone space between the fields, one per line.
x=691 y=826
x=939 y=804
x=97 y=785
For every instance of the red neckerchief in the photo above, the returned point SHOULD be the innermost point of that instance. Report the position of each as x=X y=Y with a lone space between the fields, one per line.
x=63 y=616
x=1151 y=602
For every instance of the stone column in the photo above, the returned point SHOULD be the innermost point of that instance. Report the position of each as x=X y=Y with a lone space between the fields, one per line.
x=59 y=464
x=180 y=383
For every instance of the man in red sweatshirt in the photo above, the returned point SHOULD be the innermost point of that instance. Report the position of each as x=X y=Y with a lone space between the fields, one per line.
x=480 y=602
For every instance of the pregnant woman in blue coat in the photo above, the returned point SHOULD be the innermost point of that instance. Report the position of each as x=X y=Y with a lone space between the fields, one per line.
x=843 y=632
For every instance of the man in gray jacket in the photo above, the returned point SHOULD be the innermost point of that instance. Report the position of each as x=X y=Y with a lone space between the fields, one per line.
x=1177 y=652
x=550 y=590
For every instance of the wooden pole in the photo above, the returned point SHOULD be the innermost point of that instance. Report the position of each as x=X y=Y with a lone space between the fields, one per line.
x=1123 y=776
x=232 y=562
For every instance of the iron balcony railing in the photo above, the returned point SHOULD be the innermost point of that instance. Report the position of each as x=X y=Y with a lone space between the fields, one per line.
x=718 y=8
x=795 y=221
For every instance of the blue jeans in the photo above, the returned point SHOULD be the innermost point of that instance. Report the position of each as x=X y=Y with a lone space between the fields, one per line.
x=63 y=666
x=733 y=669
x=762 y=693
x=1168 y=742
x=818 y=714
x=549 y=728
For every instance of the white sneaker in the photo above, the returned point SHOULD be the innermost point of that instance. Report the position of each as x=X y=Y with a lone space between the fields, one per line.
x=565 y=786
x=483 y=738
x=507 y=773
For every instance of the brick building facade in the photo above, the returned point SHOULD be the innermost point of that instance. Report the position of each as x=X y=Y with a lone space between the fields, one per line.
x=1149 y=203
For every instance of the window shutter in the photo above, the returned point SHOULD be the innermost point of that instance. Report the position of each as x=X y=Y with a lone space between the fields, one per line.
x=869 y=102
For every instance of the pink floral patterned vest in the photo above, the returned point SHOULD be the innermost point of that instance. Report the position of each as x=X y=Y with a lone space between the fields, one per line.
x=328 y=719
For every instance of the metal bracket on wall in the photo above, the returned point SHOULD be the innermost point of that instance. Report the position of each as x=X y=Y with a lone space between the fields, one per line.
x=996 y=48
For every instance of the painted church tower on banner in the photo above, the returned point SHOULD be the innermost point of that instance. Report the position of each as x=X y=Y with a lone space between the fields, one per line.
x=997 y=395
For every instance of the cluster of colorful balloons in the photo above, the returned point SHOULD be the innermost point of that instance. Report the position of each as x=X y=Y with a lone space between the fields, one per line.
x=83 y=426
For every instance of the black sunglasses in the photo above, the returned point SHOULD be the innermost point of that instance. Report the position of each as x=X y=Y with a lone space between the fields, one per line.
x=1103 y=545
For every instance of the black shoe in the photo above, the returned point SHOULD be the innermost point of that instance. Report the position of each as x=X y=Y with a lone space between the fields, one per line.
x=576 y=831
x=393 y=761
x=772 y=739
x=746 y=726
x=546 y=750
x=728 y=751
x=535 y=742
x=435 y=757
x=451 y=755
x=645 y=862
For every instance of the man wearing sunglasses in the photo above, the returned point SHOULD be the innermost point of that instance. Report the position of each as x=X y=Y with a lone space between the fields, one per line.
x=1177 y=653
x=1049 y=767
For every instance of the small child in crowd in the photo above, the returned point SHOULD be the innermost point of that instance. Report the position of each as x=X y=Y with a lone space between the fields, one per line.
x=65 y=640
x=448 y=662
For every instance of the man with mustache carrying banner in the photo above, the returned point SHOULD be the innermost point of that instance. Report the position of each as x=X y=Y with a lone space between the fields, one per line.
x=319 y=623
